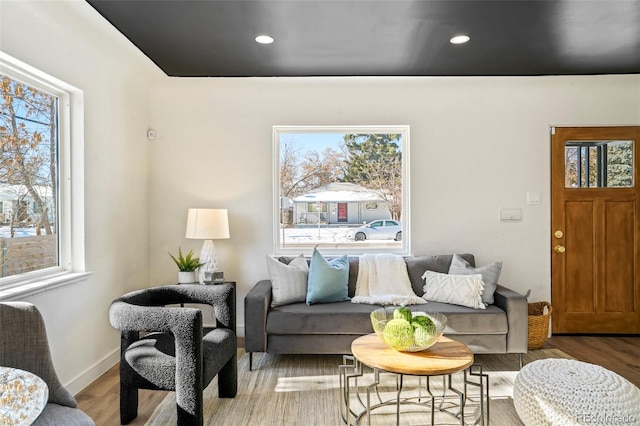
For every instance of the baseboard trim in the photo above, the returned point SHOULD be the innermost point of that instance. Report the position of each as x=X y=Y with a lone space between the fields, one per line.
x=85 y=378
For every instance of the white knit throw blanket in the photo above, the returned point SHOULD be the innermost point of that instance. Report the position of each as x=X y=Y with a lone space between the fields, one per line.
x=383 y=280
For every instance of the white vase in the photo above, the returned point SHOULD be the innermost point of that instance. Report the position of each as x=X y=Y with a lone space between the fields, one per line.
x=185 y=277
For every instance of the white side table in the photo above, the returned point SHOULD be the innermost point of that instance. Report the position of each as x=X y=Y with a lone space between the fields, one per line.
x=23 y=396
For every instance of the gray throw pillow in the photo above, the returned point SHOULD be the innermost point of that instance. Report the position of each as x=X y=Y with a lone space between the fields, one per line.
x=288 y=282
x=490 y=275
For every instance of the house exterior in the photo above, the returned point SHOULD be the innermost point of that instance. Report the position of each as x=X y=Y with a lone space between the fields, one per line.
x=339 y=203
x=16 y=203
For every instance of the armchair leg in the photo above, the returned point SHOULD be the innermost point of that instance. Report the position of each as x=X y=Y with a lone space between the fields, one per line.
x=128 y=404
x=189 y=419
x=250 y=361
x=228 y=379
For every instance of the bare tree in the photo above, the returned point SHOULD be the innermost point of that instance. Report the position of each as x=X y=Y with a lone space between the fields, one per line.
x=384 y=178
x=301 y=175
x=28 y=129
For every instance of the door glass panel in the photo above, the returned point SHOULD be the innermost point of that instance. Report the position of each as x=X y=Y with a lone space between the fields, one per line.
x=598 y=164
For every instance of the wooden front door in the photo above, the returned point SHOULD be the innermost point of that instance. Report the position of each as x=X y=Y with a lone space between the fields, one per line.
x=595 y=250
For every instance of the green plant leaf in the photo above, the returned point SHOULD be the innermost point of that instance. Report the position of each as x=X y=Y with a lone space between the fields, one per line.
x=186 y=263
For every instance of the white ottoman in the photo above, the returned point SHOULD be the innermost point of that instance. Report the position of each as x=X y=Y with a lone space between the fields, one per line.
x=568 y=392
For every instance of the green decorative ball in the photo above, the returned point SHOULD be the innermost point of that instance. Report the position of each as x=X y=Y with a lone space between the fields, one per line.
x=403 y=313
x=398 y=333
x=421 y=321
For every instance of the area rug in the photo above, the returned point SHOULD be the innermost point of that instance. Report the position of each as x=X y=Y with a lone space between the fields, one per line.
x=305 y=390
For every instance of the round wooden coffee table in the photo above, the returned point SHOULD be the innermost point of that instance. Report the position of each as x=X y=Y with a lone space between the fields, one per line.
x=444 y=358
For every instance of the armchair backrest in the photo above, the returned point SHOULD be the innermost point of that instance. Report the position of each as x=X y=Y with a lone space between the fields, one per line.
x=24 y=345
x=135 y=311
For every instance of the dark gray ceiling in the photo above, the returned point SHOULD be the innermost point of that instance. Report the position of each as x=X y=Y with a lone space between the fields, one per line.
x=381 y=38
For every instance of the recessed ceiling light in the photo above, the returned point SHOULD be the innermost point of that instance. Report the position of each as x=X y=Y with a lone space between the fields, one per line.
x=264 y=39
x=459 y=39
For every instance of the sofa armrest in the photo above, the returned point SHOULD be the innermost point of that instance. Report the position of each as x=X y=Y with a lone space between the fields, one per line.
x=256 y=306
x=516 y=307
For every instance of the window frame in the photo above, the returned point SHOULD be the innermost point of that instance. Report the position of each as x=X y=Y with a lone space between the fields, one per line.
x=71 y=249
x=405 y=247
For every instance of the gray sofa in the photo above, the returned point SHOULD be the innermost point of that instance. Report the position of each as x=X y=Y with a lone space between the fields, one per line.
x=329 y=328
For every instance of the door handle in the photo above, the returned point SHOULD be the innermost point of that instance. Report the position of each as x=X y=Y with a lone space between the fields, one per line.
x=559 y=249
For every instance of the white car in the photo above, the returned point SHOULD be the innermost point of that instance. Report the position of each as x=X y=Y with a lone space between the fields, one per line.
x=386 y=229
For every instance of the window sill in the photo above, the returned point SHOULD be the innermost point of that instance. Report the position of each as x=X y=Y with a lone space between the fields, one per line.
x=45 y=283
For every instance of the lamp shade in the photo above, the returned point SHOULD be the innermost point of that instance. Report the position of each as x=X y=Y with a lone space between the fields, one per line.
x=207 y=224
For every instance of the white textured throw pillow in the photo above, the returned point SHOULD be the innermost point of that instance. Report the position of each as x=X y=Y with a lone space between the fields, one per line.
x=464 y=290
x=490 y=275
x=288 y=282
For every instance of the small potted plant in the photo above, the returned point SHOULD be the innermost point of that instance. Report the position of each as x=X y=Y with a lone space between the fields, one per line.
x=187 y=266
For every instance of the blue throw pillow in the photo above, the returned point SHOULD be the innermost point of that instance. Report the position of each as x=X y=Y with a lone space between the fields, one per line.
x=328 y=279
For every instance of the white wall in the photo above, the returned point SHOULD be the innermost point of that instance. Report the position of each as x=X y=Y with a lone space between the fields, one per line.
x=72 y=42
x=477 y=145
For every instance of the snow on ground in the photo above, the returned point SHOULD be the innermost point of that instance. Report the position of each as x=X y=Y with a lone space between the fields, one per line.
x=326 y=235
x=5 y=232
x=309 y=234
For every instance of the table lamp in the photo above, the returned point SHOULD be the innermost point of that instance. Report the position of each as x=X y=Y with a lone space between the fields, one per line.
x=207 y=225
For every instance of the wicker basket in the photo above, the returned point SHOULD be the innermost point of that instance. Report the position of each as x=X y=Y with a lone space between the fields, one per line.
x=538 y=324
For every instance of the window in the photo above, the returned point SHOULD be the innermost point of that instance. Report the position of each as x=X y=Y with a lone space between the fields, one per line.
x=331 y=184
x=40 y=182
x=599 y=164
x=316 y=207
x=371 y=206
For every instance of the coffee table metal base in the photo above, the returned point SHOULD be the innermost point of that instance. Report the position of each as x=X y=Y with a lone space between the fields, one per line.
x=351 y=370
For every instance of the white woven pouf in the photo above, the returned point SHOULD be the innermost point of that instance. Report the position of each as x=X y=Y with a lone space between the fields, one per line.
x=568 y=392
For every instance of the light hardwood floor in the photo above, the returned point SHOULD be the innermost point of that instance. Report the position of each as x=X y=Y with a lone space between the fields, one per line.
x=100 y=400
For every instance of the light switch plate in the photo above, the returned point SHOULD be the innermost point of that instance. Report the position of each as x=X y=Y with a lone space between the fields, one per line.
x=510 y=214
x=533 y=198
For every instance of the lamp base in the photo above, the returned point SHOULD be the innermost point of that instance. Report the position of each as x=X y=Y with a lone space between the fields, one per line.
x=208 y=257
x=215 y=277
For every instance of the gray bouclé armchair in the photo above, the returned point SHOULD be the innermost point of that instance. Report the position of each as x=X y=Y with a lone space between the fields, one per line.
x=24 y=345
x=177 y=354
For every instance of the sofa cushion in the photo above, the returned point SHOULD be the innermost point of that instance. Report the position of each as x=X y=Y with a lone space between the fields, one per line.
x=490 y=275
x=327 y=279
x=418 y=265
x=464 y=290
x=353 y=271
x=288 y=281
x=463 y=320
x=352 y=318
x=354 y=266
x=322 y=318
